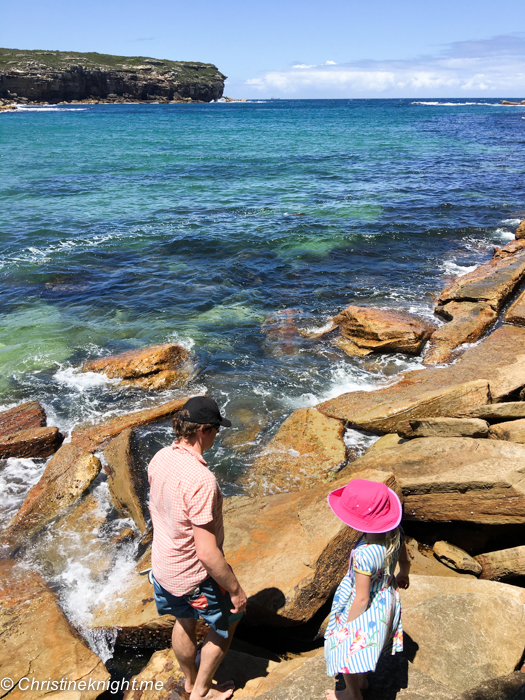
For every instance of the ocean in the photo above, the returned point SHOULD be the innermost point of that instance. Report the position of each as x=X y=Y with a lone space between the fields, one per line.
x=222 y=227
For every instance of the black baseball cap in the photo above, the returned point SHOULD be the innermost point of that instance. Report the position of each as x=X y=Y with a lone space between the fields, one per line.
x=204 y=410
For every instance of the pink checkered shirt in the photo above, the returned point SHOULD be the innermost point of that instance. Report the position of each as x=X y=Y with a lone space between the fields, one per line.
x=183 y=491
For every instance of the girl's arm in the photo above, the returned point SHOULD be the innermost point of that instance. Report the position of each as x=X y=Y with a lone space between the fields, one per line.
x=362 y=596
x=403 y=580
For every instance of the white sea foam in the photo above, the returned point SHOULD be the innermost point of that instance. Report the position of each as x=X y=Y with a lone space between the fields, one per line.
x=184 y=340
x=16 y=478
x=82 y=381
x=504 y=234
x=457 y=104
x=511 y=222
x=58 y=108
x=358 y=441
x=452 y=268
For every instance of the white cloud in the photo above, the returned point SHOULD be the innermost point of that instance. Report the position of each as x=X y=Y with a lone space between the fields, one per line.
x=490 y=67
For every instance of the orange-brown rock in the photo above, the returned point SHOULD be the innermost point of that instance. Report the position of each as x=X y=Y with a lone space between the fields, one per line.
x=499 y=361
x=38 y=644
x=380 y=330
x=449 y=479
x=444 y=427
x=467 y=322
x=456 y=558
x=513 y=430
x=516 y=312
x=127 y=479
x=509 y=249
x=491 y=283
x=23 y=417
x=34 y=442
x=505 y=563
x=307 y=449
x=520 y=231
x=288 y=550
x=155 y=367
x=348 y=346
x=500 y=412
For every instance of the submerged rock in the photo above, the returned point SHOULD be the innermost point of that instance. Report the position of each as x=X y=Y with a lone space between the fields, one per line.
x=307 y=449
x=467 y=631
x=467 y=322
x=35 y=442
x=37 y=643
x=26 y=416
x=505 y=563
x=379 y=330
x=155 y=367
x=497 y=363
x=454 y=479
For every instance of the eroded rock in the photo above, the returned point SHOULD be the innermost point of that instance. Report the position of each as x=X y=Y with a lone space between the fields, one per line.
x=307 y=449
x=516 y=312
x=444 y=427
x=500 y=412
x=456 y=558
x=514 y=431
x=509 y=249
x=454 y=479
x=380 y=330
x=155 y=367
x=467 y=322
x=36 y=641
x=26 y=416
x=34 y=442
x=505 y=563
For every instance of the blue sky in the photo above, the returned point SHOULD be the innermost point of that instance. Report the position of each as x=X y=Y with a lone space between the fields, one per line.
x=287 y=48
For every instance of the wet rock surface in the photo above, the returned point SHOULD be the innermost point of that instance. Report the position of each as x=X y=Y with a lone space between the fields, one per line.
x=26 y=416
x=35 y=442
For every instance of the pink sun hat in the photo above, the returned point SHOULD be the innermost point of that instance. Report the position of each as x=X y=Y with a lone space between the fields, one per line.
x=367 y=506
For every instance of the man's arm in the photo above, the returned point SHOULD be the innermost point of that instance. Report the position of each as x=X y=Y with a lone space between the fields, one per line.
x=215 y=564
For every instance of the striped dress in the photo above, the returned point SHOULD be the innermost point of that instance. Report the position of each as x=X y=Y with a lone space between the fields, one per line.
x=355 y=647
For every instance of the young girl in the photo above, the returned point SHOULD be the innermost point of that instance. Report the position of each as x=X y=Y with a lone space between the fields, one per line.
x=366 y=612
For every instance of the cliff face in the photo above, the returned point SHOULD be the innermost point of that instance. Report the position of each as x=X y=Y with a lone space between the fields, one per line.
x=58 y=76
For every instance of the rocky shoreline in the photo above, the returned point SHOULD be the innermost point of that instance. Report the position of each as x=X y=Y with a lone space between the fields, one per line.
x=450 y=441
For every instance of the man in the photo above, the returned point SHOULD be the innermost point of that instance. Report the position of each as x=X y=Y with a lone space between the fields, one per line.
x=191 y=576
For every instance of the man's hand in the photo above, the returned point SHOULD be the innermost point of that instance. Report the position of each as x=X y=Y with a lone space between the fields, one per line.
x=239 y=601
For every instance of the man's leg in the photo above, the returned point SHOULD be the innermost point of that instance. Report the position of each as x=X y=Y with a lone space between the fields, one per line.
x=184 y=642
x=212 y=653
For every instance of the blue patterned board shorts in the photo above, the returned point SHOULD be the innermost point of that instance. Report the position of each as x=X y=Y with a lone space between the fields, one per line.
x=207 y=600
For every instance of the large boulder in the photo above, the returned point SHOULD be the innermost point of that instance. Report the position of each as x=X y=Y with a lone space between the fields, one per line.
x=37 y=644
x=491 y=283
x=467 y=322
x=127 y=480
x=516 y=312
x=288 y=550
x=34 y=442
x=26 y=416
x=444 y=427
x=499 y=361
x=307 y=449
x=155 y=367
x=381 y=330
x=65 y=479
x=505 y=563
x=451 y=479
x=501 y=688
x=466 y=631
x=513 y=430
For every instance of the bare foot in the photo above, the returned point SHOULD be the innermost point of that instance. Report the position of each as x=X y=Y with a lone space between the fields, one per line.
x=342 y=695
x=224 y=686
x=212 y=694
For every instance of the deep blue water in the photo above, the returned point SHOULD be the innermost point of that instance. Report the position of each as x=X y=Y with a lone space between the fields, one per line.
x=128 y=225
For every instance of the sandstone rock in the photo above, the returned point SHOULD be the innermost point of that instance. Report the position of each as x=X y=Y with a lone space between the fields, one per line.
x=396 y=678
x=23 y=417
x=491 y=283
x=456 y=558
x=160 y=679
x=516 y=311
x=467 y=322
x=509 y=249
x=467 y=631
x=505 y=563
x=500 y=412
x=348 y=346
x=288 y=550
x=35 y=442
x=66 y=477
x=36 y=641
x=499 y=360
x=520 y=231
x=386 y=441
x=380 y=330
x=444 y=427
x=449 y=479
x=514 y=431
x=502 y=688
x=155 y=367
x=307 y=449
x=127 y=480
x=424 y=563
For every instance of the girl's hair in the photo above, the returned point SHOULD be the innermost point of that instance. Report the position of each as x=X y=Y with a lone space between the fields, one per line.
x=186 y=429
x=392 y=540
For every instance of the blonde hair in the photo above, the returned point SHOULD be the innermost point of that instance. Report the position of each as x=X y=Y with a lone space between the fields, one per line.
x=392 y=541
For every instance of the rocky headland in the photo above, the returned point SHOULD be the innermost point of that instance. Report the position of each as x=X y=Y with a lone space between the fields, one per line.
x=450 y=441
x=33 y=77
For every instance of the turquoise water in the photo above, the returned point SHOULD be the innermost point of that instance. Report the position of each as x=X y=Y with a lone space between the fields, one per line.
x=128 y=225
